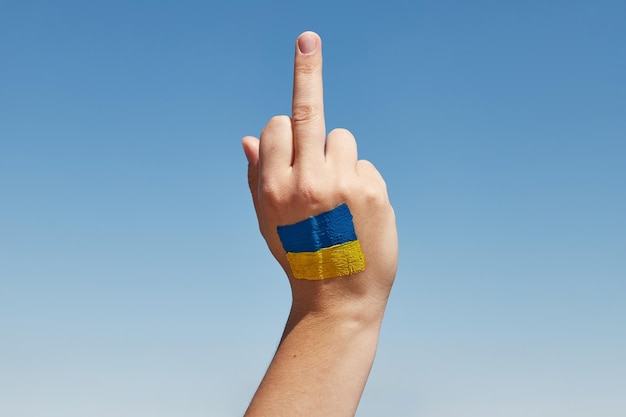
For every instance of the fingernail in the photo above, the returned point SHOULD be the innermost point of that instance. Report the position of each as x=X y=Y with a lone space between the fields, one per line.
x=307 y=43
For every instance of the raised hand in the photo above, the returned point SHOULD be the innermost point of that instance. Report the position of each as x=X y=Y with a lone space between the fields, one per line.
x=296 y=173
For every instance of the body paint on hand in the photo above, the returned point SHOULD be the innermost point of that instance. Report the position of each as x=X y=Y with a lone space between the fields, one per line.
x=323 y=246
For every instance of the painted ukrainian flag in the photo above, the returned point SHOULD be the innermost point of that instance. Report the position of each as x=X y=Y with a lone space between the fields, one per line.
x=323 y=246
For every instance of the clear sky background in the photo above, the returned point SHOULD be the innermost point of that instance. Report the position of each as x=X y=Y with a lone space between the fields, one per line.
x=133 y=279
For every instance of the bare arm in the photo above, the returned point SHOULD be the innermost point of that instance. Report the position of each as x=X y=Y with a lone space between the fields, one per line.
x=296 y=172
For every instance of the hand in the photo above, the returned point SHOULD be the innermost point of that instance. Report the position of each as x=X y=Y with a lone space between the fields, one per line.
x=295 y=172
x=322 y=363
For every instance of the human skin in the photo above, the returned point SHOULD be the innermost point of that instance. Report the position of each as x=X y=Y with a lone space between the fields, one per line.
x=295 y=171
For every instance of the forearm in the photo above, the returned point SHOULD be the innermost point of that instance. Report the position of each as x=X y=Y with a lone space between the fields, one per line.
x=320 y=367
x=326 y=218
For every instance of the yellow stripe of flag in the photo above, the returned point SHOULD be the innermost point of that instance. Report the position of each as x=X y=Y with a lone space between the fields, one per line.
x=335 y=261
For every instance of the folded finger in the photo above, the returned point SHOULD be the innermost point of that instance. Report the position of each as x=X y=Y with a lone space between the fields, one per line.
x=341 y=151
x=276 y=146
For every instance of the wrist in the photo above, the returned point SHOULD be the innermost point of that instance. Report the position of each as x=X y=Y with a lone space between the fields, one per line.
x=322 y=362
x=357 y=299
x=337 y=313
x=335 y=329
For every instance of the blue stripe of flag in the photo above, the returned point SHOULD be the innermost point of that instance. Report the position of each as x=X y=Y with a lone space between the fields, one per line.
x=328 y=229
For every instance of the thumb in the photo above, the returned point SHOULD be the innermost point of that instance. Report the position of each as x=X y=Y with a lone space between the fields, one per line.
x=251 y=150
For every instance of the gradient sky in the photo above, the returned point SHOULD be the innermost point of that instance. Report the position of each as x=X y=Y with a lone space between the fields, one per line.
x=133 y=279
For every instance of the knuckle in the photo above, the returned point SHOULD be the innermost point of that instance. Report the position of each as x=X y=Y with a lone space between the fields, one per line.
x=375 y=193
x=280 y=119
x=306 y=68
x=305 y=112
x=343 y=187
x=274 y=123
x=341 y=132
x=309 y=191
x=365 y=165
x=271 y=193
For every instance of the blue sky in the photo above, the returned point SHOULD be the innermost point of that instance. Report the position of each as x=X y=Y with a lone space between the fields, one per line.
x=500 y=128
